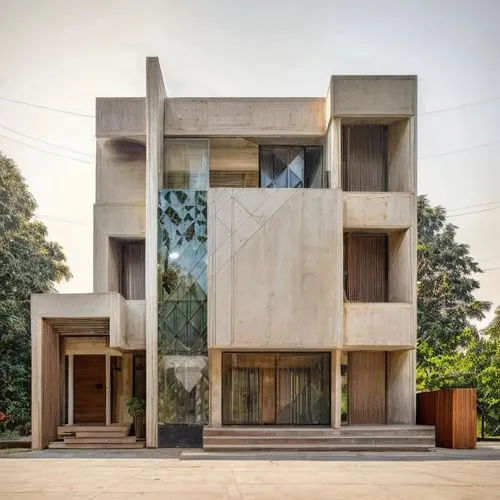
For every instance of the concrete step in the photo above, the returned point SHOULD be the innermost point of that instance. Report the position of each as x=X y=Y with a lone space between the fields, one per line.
x=72 y=429
x=317 y=447
x=92 y=434
x=75 y=446
x=100 y=439
x=375 y=431
x=303 y=440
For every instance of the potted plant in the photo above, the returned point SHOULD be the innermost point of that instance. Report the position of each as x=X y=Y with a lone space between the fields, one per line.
x=136 y=408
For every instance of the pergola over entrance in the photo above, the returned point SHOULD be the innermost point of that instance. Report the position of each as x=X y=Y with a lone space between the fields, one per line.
x=66 y=328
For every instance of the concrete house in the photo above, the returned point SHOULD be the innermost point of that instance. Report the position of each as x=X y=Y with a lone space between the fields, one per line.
x=254 y=276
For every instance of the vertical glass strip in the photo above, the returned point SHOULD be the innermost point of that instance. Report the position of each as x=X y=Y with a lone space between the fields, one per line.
x=182 y=284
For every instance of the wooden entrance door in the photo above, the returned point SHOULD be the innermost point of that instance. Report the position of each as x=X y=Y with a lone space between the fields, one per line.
x=90 y=389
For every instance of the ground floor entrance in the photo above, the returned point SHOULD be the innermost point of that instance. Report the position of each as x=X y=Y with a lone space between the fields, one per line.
x=276 y=388
x=89 y=389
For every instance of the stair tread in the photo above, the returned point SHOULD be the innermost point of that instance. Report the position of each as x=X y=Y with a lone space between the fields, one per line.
x=63 y=445
x=373 y=446
x=103 y=439
x=92 y=428
x=335 y=437
x=100 y=434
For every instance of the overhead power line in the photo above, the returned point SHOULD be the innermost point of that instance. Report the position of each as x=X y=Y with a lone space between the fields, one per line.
x=460 y=106
x=445 y=153
x=45 y=151
x=49 y=108
x=54 y=218
x=474 y=206
x=44 y=142
x=474 y=212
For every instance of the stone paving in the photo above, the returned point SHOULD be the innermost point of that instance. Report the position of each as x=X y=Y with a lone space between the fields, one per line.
x=163 y=476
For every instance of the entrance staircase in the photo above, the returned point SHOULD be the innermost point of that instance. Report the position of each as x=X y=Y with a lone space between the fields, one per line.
x=373 y=438
x=95 y=437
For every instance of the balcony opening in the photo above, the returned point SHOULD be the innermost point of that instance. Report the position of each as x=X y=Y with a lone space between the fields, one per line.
x=377 y=156
x=127 y=268
x=364 y=157
x=366 y=267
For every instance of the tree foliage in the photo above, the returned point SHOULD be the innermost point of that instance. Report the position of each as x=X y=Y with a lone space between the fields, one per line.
x=29 y=263
x=445 y=285
x=451 y=351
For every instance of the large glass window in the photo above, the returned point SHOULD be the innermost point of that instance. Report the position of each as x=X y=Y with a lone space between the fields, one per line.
x=182 y=284
x=291 y=166
x=272 y=388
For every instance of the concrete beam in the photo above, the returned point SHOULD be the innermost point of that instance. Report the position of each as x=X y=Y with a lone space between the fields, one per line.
x=245 y=117
x=120 y=117
x=373 y=96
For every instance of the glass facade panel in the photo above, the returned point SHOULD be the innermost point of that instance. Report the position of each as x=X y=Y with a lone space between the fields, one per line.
x=272 y=388
x=182 y=284
x=291 y=166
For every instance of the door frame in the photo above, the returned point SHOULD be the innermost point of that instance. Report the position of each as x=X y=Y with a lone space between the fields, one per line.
x=71 y=387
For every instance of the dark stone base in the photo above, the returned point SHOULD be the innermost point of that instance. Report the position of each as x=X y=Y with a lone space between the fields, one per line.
x=180 y=436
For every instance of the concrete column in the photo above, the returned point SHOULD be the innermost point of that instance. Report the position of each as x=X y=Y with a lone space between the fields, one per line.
x=215 y=380
x=401 y=387
x=155 y=115
x=336 y=389
x=71 y=389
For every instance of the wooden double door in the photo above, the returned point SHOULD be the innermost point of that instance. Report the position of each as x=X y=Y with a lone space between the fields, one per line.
x=276 y=388
x=89 y=389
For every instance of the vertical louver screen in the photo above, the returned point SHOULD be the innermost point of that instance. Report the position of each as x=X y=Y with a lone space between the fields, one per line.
x=364 y=157
x=365 y=261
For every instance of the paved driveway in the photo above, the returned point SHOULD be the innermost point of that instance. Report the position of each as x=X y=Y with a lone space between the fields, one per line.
x=159 y=478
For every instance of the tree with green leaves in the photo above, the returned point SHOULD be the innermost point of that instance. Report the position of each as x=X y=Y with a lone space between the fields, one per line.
x=451 y=352
x=446 y=284
x=29 y=263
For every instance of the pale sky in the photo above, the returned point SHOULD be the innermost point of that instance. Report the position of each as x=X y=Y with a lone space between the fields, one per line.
x=63 y=54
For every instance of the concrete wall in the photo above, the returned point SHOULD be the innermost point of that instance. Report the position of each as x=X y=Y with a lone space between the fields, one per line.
x=383 y=211
x=401 y=387
x=353 y=96
x=245 y=117
x=120 y=117
x=135 y=328
x=275 y=276
x=381 y=325
x=120 y=172
x=113 y=221
x=45 y=384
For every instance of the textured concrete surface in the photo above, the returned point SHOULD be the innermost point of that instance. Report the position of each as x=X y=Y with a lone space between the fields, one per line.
x=163 y=475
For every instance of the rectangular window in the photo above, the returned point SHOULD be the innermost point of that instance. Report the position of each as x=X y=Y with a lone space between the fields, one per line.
x=276 y=388
x=291 y=166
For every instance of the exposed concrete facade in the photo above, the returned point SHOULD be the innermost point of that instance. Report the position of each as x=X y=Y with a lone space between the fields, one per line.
x=276 y=260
